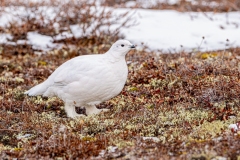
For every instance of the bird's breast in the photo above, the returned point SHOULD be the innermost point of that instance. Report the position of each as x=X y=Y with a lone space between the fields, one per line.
x=120 y=72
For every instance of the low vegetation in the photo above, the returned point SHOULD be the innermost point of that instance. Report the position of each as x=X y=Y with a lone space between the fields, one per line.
x=184 y=102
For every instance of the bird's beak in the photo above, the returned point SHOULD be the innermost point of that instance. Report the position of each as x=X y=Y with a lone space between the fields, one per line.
x=132 y=46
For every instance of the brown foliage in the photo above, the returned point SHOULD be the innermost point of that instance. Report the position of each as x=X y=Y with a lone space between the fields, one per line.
x=183 y=5
x=166 y=85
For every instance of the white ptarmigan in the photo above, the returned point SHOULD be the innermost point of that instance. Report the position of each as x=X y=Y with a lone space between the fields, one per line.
x=85 y=81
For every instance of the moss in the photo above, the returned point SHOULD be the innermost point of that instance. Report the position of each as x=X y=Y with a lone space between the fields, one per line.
x=209 y=130
x=88 y=138
x=19 y=79
x=122 y=144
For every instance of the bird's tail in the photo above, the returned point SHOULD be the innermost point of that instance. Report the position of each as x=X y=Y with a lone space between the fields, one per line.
x=37 y=90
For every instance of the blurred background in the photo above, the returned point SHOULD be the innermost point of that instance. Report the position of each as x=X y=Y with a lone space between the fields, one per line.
x=83 y=27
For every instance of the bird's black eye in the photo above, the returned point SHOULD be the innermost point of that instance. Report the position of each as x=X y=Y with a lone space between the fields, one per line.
x=122 y=45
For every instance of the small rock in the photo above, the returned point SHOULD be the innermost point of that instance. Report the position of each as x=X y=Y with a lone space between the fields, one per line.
x=234 y=127
x=154 y=139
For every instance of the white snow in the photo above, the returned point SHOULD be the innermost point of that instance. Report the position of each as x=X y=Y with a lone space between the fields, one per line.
x=63 y=35
x=169 y=30
x=41 y=42
x=149 y=3
x=12 y=14
x=4 y=38
x=165 y=30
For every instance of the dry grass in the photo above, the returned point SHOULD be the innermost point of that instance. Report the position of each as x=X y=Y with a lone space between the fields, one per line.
x=181 y=5
x=186 y=101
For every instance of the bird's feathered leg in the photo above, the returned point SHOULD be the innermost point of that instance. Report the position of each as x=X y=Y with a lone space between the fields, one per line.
x=71 y=111
x=92 y=109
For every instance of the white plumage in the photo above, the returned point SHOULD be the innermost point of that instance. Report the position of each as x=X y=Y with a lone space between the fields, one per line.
x=85 y=81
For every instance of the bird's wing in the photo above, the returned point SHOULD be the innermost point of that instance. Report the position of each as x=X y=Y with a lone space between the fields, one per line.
x=75 y=69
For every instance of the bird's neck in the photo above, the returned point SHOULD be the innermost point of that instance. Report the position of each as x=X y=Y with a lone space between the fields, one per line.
x=114 y=56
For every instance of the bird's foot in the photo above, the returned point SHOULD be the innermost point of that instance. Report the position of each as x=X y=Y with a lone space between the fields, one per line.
x=73 y=112
x=94 y=110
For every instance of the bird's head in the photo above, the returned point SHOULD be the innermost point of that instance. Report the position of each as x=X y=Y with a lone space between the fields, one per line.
x=121 y=48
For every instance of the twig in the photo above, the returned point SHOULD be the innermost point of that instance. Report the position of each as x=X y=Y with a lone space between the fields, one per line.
x=9 y=130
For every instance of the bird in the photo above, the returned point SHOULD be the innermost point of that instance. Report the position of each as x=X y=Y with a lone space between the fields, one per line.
x=87 y=80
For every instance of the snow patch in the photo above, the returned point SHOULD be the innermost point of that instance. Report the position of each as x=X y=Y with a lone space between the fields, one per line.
x=41 y=42
x=164 y=30
x=174 y=31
